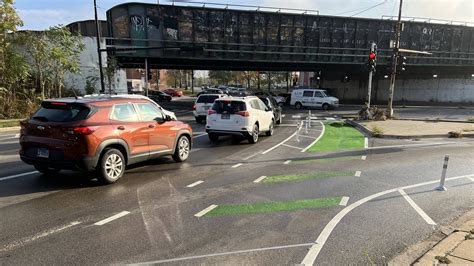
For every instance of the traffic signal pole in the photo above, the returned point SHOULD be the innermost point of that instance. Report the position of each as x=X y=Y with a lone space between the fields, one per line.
x=394 y=61
x=99 y=51
x=371 y=73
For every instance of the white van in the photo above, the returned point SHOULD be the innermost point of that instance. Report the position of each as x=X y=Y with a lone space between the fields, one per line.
x=313 y=98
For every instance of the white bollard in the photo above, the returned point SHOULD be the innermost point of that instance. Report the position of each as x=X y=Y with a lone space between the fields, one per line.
x=298 y=129
x=441 y=186
x=309 y=118
x=306 y=126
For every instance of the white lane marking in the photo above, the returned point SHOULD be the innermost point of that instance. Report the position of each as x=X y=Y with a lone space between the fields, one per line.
x=199 y=136
x=236 y=165
x=224 y=254
x=17 y=135
x=287 y=125
x=258 y=180
x=417 y=208
x=330 y=118
x=296 y=116
x=323 y=237
x=24 y=241
x=195 y=183
x=344 y=201
x=279 y=144
x=289 y=146
x=206 y=210
x=113 y=217
x=304 y=136
x=366 y=143
x=195 y=150
x=358 y=173
x=252 y=155
x=471 y=178
x=363 y=158
x=410 y=145
x=316 y=140
x=199 y=132
x=283 y=115
x=18 y=175
x=287 y=162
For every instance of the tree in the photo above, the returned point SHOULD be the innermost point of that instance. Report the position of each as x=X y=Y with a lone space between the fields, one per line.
x=9 y=23
x=111 y=70
x=220 y=77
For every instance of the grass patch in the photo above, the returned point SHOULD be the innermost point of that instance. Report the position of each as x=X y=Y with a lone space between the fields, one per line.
x=339 y=136
x=377 y=131
x=9 y=123
x=324 y=160
x=290 y=178
x=273 y=206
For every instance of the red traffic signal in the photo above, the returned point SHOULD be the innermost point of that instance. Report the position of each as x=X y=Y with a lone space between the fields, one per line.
x=372 y=56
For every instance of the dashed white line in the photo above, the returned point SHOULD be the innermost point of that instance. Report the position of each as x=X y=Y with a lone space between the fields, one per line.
x=17 y=135
x=236 y=165
x=363 y=157
x=30 y=239
x=344 y=201
x=357 y=173
x=313 y=252
x=195 y=183
x=290 y=146
x=205 y=134
x=366 y=143
x=296 y=116
x=330 y=118
x=18 y=175
x=252 y=155
x=258 y=180
x=113 y=217
x=279 y=144
x=283 y=115
x=206 y=210
x=287 y=162
x=417 y=208
x=316 y=140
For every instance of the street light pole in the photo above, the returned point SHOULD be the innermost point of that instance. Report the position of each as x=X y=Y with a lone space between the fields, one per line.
x=395 y=61
x=101 y=71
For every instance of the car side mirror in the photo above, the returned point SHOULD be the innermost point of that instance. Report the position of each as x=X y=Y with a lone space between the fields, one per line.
x=168 y=118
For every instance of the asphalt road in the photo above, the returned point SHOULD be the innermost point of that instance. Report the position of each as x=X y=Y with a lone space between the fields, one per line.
x=63 y=219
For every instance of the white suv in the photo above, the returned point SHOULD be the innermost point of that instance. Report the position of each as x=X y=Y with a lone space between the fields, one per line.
x=240 y=117
x=203 y=103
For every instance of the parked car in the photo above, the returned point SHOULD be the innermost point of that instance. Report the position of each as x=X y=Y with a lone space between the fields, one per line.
x=279 y=99
x=313 y=98
x=271 y=103
x=174 y=92
x=159 y=96
x=287 y=97
x=203 y=103
x=242 y=117
x=210 y=91
x=101 y=134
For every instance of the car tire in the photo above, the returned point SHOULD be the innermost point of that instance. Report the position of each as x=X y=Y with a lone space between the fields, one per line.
x=47 y=171
x=298 y=105
x=253 y=138
x=111 y=166
x=213 y=137
x=325 y=106
x=182 y=150
x=270 y=130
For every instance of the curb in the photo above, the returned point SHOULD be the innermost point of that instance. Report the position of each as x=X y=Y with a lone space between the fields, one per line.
x=434 y=120
x=366 y=131
x=4 y=129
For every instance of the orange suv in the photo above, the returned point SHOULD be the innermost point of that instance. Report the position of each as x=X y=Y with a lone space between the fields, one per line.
x=102 y=134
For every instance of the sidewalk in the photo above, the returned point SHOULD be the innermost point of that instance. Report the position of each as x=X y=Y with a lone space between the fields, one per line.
x=456 y=248
x=414 y=129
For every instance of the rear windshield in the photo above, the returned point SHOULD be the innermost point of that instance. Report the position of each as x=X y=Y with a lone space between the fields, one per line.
x=229 y=107
x=207 y=98
x=61 y=112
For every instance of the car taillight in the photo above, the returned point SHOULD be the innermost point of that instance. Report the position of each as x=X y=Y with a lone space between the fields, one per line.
x=194 y=107
x=211 y=112
x=84 y=130
x=244 y=113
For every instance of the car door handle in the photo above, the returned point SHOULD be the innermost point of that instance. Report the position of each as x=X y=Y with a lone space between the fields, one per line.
x=121 y=128
x=151 y=126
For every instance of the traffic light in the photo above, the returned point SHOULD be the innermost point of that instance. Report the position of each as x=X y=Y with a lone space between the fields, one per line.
x=402 y=62
x=372 y=58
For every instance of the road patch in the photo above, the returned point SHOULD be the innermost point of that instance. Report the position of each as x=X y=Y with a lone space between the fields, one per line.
x=269 y=207
x=325 y=160
x=320 y=175
x=338 y=136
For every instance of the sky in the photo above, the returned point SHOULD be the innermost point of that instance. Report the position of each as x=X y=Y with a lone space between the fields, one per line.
x=41 y=14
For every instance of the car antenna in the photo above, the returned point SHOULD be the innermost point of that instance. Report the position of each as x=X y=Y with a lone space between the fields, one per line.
x=75 y=95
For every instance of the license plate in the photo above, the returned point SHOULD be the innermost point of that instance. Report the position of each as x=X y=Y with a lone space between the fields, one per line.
x=42 y=153
x=225 y=116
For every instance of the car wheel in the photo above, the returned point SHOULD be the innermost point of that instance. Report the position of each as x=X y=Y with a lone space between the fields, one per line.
x=270 y=130
x=253 y=138
x=213 y=137
x=111 y=166
x=47 y=171
x=298 y=106
x=183 y=147
x=325 y=106
x=280 y=120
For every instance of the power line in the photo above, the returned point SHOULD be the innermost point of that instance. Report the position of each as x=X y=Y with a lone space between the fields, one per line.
x=350 y=11
x=369 y=8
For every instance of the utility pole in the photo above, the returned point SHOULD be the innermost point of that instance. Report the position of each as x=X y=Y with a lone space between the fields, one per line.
x=396 y=53
x=146 y=76
x=101 y=71
x=372 y=65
